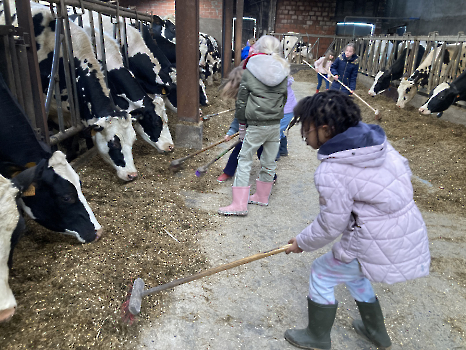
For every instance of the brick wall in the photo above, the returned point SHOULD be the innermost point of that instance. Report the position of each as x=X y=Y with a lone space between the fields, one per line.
x=307 y=16
x=207 y=8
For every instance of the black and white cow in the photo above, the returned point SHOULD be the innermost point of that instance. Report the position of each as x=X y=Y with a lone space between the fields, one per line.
x=114 y=133
x=57 y=202
x=384 y=77
x=10 y=214
x=10 y=218
x=444 y=95
x=409 y=87
x=292 y=47
x=151 y=120
x=141 y=62
x=209 y=61
x=163 y=33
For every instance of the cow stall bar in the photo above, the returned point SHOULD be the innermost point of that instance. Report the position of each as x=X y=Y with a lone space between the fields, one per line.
x=19 y=64
x=379 y=52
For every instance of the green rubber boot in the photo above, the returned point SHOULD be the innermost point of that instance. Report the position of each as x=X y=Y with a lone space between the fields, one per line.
x=372 y=326
x=317 y=333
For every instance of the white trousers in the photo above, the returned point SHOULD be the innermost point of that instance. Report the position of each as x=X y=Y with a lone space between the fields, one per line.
x=328 y=272
x=256 y=136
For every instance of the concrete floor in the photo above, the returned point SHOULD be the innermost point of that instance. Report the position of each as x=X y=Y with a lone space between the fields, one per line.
x=251 y=306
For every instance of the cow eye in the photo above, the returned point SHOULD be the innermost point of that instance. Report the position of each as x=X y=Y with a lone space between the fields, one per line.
x=66 y=198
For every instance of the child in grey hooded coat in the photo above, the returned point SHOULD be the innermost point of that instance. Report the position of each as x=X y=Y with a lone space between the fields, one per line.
x=261 y=98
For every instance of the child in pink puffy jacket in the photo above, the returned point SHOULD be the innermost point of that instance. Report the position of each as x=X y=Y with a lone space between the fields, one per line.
x=322 y=66
x=366 y=197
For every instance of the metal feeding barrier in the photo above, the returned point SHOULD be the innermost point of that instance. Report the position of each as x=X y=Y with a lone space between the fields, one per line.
x=22 y=72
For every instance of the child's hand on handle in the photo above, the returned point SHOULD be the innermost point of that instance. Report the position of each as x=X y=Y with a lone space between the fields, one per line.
x=294 y=247
x=335 y=77
x=242 y=131
x=227 y=137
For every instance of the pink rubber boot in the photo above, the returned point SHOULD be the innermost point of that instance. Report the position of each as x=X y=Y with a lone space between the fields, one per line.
x=263 y=190
x=240 y=202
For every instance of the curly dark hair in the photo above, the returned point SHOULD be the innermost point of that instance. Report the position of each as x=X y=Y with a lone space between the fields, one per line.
x=332 y=108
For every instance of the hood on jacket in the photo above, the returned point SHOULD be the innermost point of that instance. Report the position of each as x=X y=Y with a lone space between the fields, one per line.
x=267 y=69
x=363 y=145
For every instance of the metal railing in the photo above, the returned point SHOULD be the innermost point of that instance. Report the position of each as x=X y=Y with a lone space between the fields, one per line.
x=18 y=76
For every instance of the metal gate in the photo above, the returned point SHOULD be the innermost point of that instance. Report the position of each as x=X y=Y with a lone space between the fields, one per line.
x=20 y=73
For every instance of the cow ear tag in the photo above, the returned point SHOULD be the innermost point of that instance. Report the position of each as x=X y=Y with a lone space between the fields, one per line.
x=31 y=191
x=93 y=132
x=163 y=91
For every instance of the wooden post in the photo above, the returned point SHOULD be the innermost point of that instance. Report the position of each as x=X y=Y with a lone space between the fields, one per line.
x=188 y=135
x=272 y=13
x=238 y=31
x=187 y=65
x=227 y=36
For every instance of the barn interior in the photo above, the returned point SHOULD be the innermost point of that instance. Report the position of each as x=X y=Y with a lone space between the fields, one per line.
x=70 y=294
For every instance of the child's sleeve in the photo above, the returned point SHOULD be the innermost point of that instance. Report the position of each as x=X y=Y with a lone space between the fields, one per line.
x=335 y=211
x=354 y=76
x=334 y=66
x=234 y=127
x=318 y=62
x=242 y=99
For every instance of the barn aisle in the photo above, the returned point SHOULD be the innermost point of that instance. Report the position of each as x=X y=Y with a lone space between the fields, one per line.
x=251 y=306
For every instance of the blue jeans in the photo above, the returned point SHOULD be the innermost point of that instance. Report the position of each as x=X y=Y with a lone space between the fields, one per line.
x=284 y=123
x=319 y=81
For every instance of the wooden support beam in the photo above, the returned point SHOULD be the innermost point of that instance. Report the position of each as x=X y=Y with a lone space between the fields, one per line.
x=227 y=36
x=238 y=31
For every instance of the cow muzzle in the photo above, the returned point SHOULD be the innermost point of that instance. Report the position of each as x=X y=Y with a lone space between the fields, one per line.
x=7 y=314
x=98 y=234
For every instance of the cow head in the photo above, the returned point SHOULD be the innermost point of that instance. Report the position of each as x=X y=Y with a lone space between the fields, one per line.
x=406 y=92
x=114 y=138
x=149 y=125
x=439 y=100
x=381 y=82
x=165 y=28
x=58 y=202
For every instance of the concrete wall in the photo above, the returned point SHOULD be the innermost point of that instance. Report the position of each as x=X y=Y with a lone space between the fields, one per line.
x=446 y=17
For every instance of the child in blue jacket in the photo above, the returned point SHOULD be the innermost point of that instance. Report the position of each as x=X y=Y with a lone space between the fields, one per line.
x=345 y=68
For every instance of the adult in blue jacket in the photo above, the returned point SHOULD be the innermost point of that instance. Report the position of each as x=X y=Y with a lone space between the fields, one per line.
x=345 y=68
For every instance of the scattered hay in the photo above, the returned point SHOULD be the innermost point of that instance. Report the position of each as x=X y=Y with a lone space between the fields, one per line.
x=69 y=295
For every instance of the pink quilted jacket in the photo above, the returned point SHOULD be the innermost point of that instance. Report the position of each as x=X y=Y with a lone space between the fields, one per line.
x=366 y=196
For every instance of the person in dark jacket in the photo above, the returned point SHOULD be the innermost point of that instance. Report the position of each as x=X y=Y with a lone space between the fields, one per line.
x=345 y=68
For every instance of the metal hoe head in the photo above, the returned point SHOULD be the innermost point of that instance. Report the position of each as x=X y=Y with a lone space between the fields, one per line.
x=135 y=300
x=201 y=171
